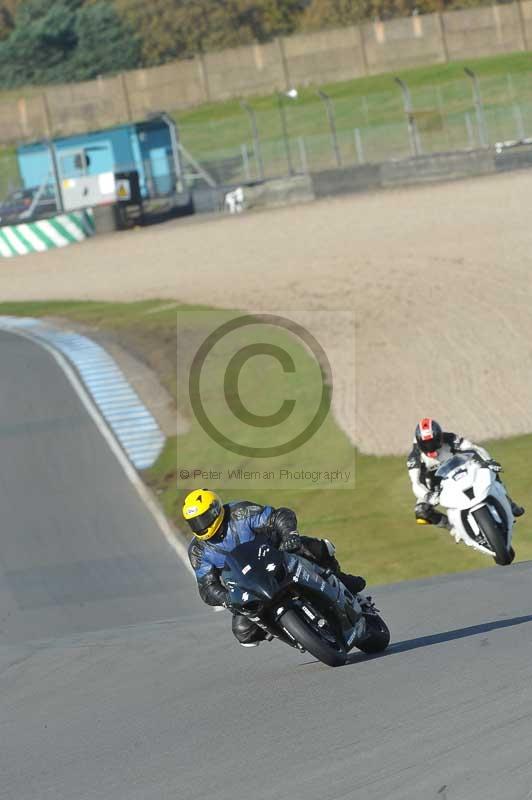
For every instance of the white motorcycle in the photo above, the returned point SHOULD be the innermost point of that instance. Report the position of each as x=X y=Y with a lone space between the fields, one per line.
x=478 y=508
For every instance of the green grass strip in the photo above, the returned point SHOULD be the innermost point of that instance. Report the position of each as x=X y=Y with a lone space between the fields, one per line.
x=372 y=524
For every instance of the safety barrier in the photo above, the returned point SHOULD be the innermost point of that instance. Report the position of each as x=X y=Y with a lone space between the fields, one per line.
x=45 y=234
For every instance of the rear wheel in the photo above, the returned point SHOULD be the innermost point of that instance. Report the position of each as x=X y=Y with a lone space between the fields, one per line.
x=495 y=535
x=378 y=635
x=311 y=640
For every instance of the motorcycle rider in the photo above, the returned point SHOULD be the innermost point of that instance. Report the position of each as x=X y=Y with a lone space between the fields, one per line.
x=432 y=447
x=219 y=528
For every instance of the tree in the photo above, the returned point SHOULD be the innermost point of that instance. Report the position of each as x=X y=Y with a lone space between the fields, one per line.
x=7 y=16
x=332 y=14
x=64 y=40
x=43 y=37
x=105 y=43
x=337 y=13
x=181 y=28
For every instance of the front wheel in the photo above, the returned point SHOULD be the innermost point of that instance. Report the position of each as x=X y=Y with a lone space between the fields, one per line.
x=311 y=640
x=495 y=535
x=378 y=635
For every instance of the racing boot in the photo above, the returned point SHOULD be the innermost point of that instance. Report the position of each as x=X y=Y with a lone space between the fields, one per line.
x=427 y=515
x=443 y=522
x=517 y=511
x=354 y=583
x=267 y=638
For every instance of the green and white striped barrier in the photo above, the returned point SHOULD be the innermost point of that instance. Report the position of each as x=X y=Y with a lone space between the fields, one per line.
x=45 y=234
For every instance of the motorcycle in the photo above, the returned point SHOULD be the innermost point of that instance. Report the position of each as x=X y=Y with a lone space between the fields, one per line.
x=301 y=603
x=477 y=506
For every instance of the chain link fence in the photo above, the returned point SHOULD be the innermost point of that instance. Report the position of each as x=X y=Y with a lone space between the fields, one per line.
x=309 y=131
x=312 y=130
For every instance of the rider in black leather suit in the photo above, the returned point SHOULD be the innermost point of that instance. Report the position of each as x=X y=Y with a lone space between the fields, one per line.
x=241 y=522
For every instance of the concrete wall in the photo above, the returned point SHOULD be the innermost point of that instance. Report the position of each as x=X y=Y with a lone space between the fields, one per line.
x=371 y=177
x=424 y=169
x=77 y=107
x=367 y=178
x=483 y=31
x=526 y=22
x=404 y=43
x=23 y=119
x=315 y=58
x=173 y=86
x=257 y=69
x=325 y=57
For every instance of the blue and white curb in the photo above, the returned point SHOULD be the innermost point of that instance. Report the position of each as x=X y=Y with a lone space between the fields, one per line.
x=129 y=420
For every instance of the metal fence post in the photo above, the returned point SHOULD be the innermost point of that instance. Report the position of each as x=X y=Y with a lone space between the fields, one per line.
x=332 y=124
x=256 y=140
x=284 y=130
x=470 y=134
x=519 y=121
x=443 y=119
x=479 y=108
x=415 y=143
x=359 y=147
x=57 y=177
x=180 y=183
x=303 y=155
x=245 y=161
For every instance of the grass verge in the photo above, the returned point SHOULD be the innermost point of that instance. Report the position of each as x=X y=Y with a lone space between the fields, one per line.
x=372 y=524
x=441 y=98
x=219 y=134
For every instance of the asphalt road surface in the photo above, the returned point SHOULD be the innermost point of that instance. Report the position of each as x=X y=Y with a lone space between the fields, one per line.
x=79 y=550
x=116 y=683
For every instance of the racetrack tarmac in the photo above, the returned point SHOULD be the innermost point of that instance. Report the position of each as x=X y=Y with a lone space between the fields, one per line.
x=115 y=682
x=179 y=710
x=79 y=550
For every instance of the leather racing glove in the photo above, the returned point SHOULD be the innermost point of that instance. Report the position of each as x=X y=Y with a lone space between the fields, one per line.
x=291 y=542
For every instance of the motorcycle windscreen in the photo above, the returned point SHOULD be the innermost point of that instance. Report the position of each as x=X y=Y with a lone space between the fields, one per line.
x=255 y=567
x=456 y=461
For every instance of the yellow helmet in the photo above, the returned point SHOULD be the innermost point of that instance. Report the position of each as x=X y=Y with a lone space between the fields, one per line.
x=204 y=512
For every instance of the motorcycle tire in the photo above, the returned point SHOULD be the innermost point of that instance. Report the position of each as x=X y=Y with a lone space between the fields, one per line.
x=378 y=635
x=311 y=641
x=503 y=555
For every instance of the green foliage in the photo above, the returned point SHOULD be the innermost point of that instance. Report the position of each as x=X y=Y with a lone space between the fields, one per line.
x=372 y=525
x=49 y=41
x=334 y=13
x=8 y=9
x=181 y=28
x=65 y=40
x=104 y=43
x=337 y=13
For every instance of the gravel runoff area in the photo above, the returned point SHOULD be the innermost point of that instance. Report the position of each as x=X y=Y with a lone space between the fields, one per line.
x=439 y=279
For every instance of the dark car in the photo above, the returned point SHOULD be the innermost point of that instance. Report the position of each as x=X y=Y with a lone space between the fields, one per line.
x=27 y=204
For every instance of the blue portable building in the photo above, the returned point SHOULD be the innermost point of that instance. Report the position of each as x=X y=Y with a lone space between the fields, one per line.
x=150 y=147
